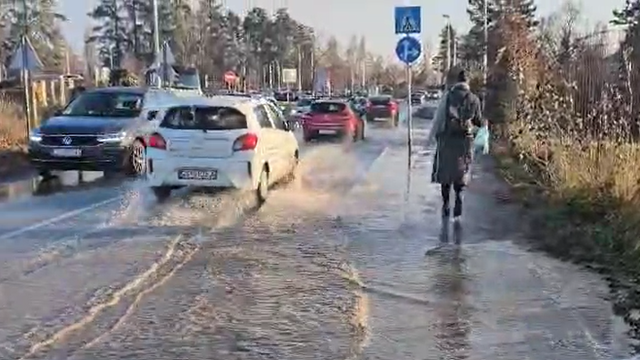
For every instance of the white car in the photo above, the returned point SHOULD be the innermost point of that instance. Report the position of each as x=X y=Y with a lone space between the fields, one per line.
x=302 y=107
x=221 y=142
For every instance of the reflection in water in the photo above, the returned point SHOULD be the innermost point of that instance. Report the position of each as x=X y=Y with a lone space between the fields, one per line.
x=63 y=181
x=452 y=311
x=407 y=192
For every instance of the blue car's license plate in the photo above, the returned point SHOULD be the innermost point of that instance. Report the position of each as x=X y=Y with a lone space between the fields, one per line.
x=197 y=174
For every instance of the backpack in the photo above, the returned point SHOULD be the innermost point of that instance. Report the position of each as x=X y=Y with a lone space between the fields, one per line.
x=458 y=117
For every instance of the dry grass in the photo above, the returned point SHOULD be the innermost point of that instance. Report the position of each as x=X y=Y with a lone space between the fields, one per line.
x=590 y=211
x=12 y=138
x=12 y=126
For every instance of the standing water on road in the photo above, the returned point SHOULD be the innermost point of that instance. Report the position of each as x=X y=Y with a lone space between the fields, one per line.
x=350 y=261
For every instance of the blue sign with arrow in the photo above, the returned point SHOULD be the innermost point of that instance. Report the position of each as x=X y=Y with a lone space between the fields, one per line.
x=408 y=20
x=408 y=49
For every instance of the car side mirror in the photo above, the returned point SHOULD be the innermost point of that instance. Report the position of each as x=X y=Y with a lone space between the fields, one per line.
x=151 y=115
x=57 y=112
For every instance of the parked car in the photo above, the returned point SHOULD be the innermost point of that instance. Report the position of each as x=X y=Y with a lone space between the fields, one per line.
x=332 y=117
x=102 y=129
x=221 y=142
x=383 y=107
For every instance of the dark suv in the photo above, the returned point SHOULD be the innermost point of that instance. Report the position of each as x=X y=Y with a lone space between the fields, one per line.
x=97 y=131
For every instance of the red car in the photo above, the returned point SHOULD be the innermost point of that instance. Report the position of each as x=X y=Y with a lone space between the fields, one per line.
x=383 y=107
x=332 y=117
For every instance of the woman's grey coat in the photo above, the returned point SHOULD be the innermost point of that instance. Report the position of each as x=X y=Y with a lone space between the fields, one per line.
x=454 y=153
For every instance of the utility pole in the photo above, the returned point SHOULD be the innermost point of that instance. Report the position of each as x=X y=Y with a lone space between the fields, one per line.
x=455 y=51
x=448 y=65
x=116 y=30
x=485 y=59
x=156 y=30
x=24 y=41
x=299 y=72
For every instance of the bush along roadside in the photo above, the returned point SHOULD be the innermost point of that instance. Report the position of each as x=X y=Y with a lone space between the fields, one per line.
x=13 y=157
x=582 y=195
x=568 y=141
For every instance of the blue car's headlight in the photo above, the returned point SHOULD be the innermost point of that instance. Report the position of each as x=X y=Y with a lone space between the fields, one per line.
x=35 y=135
x=112 y=138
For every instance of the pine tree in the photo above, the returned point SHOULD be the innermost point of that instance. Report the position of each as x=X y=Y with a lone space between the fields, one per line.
x=110 y=35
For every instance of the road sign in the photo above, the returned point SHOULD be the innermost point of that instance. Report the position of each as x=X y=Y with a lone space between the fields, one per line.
x=230 y=77
x=32 y=61
x=408 y=49
x=289 y=76
x=408 y=20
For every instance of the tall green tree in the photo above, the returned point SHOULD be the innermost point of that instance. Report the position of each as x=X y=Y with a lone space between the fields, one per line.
x=110 y=33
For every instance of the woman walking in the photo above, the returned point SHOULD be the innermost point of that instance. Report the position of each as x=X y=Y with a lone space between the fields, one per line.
x=458 y=113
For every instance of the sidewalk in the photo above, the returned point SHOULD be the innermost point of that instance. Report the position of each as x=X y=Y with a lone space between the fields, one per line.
x=489 y=298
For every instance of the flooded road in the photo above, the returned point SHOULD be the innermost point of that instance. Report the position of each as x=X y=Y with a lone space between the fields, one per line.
x=346 y=262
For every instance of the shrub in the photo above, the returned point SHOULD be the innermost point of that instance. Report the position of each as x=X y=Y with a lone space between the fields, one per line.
x=12 y=125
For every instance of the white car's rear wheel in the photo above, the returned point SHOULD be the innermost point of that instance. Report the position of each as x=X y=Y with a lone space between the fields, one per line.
x=162 y=193
x=262 y=192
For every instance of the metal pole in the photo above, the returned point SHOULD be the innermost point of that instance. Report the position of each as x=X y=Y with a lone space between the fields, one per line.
x=410 y=110
x=448 y=65
x=116 y=33
x=455 y=52
x=165 y=66
x=156 y=29
x=485 y=59
x=299 y=72
x=25 y=68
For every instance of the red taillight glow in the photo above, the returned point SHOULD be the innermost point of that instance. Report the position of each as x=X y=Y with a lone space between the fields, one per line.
x=156 y=141
x=246 y=142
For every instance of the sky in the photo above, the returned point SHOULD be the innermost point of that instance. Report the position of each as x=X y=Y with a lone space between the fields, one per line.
x=345 y=18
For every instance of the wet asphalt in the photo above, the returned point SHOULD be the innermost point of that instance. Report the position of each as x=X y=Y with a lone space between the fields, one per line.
x=350 y=261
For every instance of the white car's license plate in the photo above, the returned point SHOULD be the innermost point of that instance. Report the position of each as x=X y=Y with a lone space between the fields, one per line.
x=197 y=174
x=326 y=132
x=73 y=152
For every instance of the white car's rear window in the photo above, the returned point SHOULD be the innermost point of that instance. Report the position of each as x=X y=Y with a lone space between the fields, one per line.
x=204 y=118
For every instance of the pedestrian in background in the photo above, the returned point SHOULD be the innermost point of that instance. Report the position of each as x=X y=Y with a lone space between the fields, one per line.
x=459 y=114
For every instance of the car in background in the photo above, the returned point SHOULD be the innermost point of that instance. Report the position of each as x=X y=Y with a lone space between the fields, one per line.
x=302 y=107
x=427 y=111
x=383 y=107
x=418 y=98
x=433 y=94
x=359 y=105
x=221 y=142
x=332 y=117
x=101 y=129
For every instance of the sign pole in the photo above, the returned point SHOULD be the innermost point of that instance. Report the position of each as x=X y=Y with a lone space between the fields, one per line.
x=408 y=21
x=410 y=109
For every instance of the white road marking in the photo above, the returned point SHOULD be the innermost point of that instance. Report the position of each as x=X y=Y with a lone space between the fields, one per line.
x=63 y=216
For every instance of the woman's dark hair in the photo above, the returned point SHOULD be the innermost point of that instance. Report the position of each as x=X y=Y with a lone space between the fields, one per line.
x=462 y=76
x=454 y=76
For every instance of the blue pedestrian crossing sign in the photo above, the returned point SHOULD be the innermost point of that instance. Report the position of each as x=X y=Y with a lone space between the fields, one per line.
x=408 y=49
x=408 y=20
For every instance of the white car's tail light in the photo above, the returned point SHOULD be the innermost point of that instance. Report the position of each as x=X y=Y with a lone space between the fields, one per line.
x=156 y=141
x=246 y=142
